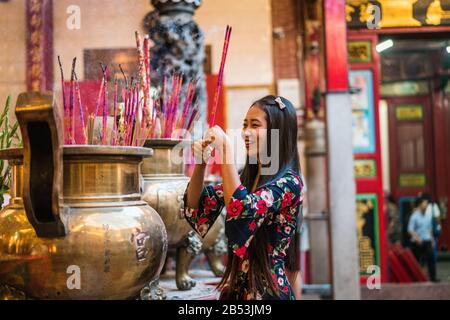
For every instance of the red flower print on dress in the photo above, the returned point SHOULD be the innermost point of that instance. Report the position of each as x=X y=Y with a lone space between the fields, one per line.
x=209 y=204
x=261 y=207
x=274 y=278
x=195 y=213
x=252 y=226
x=240 y=252
x=287 y=199
x=288 y=216
x=203 y=220
x=218 y=189
x=234 y=208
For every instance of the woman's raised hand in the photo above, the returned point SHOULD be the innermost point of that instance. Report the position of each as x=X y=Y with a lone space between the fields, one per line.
x=217 y=137
x=202 y=151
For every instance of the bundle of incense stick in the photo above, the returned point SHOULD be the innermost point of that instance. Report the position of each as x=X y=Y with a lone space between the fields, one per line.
x=87 y=126
x=69 y=106
x=171 y=118
x=212 y=120
x=144 y=112
x=139 y=115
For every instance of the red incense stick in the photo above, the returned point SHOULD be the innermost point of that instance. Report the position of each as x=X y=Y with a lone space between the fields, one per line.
x=72 y=104
x=105 y=105
x=114 y=133
x=212 y=119
x=81 y=109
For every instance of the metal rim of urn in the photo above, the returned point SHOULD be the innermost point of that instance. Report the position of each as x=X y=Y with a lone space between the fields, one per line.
x=88 y=154
x=120 y=160
x=16 y=154
x=161 y=164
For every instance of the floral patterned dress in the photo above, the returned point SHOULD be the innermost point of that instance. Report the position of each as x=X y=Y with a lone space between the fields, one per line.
x=277 y=204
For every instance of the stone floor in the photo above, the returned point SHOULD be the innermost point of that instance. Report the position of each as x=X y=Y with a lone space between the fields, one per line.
x=205 y=288
x=206 y=283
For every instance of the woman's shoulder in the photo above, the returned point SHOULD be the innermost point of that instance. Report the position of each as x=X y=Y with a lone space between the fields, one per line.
x=291 y=180
x=293 y=176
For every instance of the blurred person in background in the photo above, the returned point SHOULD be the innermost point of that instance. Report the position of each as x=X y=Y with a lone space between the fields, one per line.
x=420 y=228
x=434 y=214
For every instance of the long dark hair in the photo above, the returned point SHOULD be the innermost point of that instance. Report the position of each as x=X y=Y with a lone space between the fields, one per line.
x=285 y=120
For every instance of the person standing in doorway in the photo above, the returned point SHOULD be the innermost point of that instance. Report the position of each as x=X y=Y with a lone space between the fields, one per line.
x=434 y=214
x=420 y=228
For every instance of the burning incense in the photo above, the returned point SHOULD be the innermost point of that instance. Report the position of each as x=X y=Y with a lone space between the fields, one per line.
x=212 y=119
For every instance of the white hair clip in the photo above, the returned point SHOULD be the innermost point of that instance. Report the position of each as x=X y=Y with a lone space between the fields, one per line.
x=280 y=103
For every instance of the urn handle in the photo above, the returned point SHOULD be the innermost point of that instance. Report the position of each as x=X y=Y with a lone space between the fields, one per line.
x=41 y=130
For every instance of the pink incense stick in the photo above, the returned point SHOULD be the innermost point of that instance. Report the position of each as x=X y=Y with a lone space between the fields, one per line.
x=65 y=106
x=134 y=123
x=212 y=119
x=147 y=85
x=152 y=133
x=81 y=109
x=142 y=66
x=114 y=133
x=130 y=117
x=171 y=108
x=185 y=106
x=134 y=93
x=72 y=104
x=105 y=106
x=99 y=97
x=191 y=120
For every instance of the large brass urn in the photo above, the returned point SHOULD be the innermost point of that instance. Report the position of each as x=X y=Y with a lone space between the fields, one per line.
x=76 y=227
x=164 y=185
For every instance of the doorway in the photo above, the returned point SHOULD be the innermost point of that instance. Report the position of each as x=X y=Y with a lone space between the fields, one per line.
x=414 y=86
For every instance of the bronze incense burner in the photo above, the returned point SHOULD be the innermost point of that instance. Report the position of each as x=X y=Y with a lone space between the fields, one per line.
x=164 y=185
x=76 y=227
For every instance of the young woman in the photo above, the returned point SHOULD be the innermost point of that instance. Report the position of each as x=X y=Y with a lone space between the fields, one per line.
x=262 y=211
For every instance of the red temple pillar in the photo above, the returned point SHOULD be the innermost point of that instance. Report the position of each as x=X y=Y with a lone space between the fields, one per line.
x=39 y=16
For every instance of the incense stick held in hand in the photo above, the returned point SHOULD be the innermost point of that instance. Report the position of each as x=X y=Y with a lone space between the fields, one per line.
x=212 y=120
